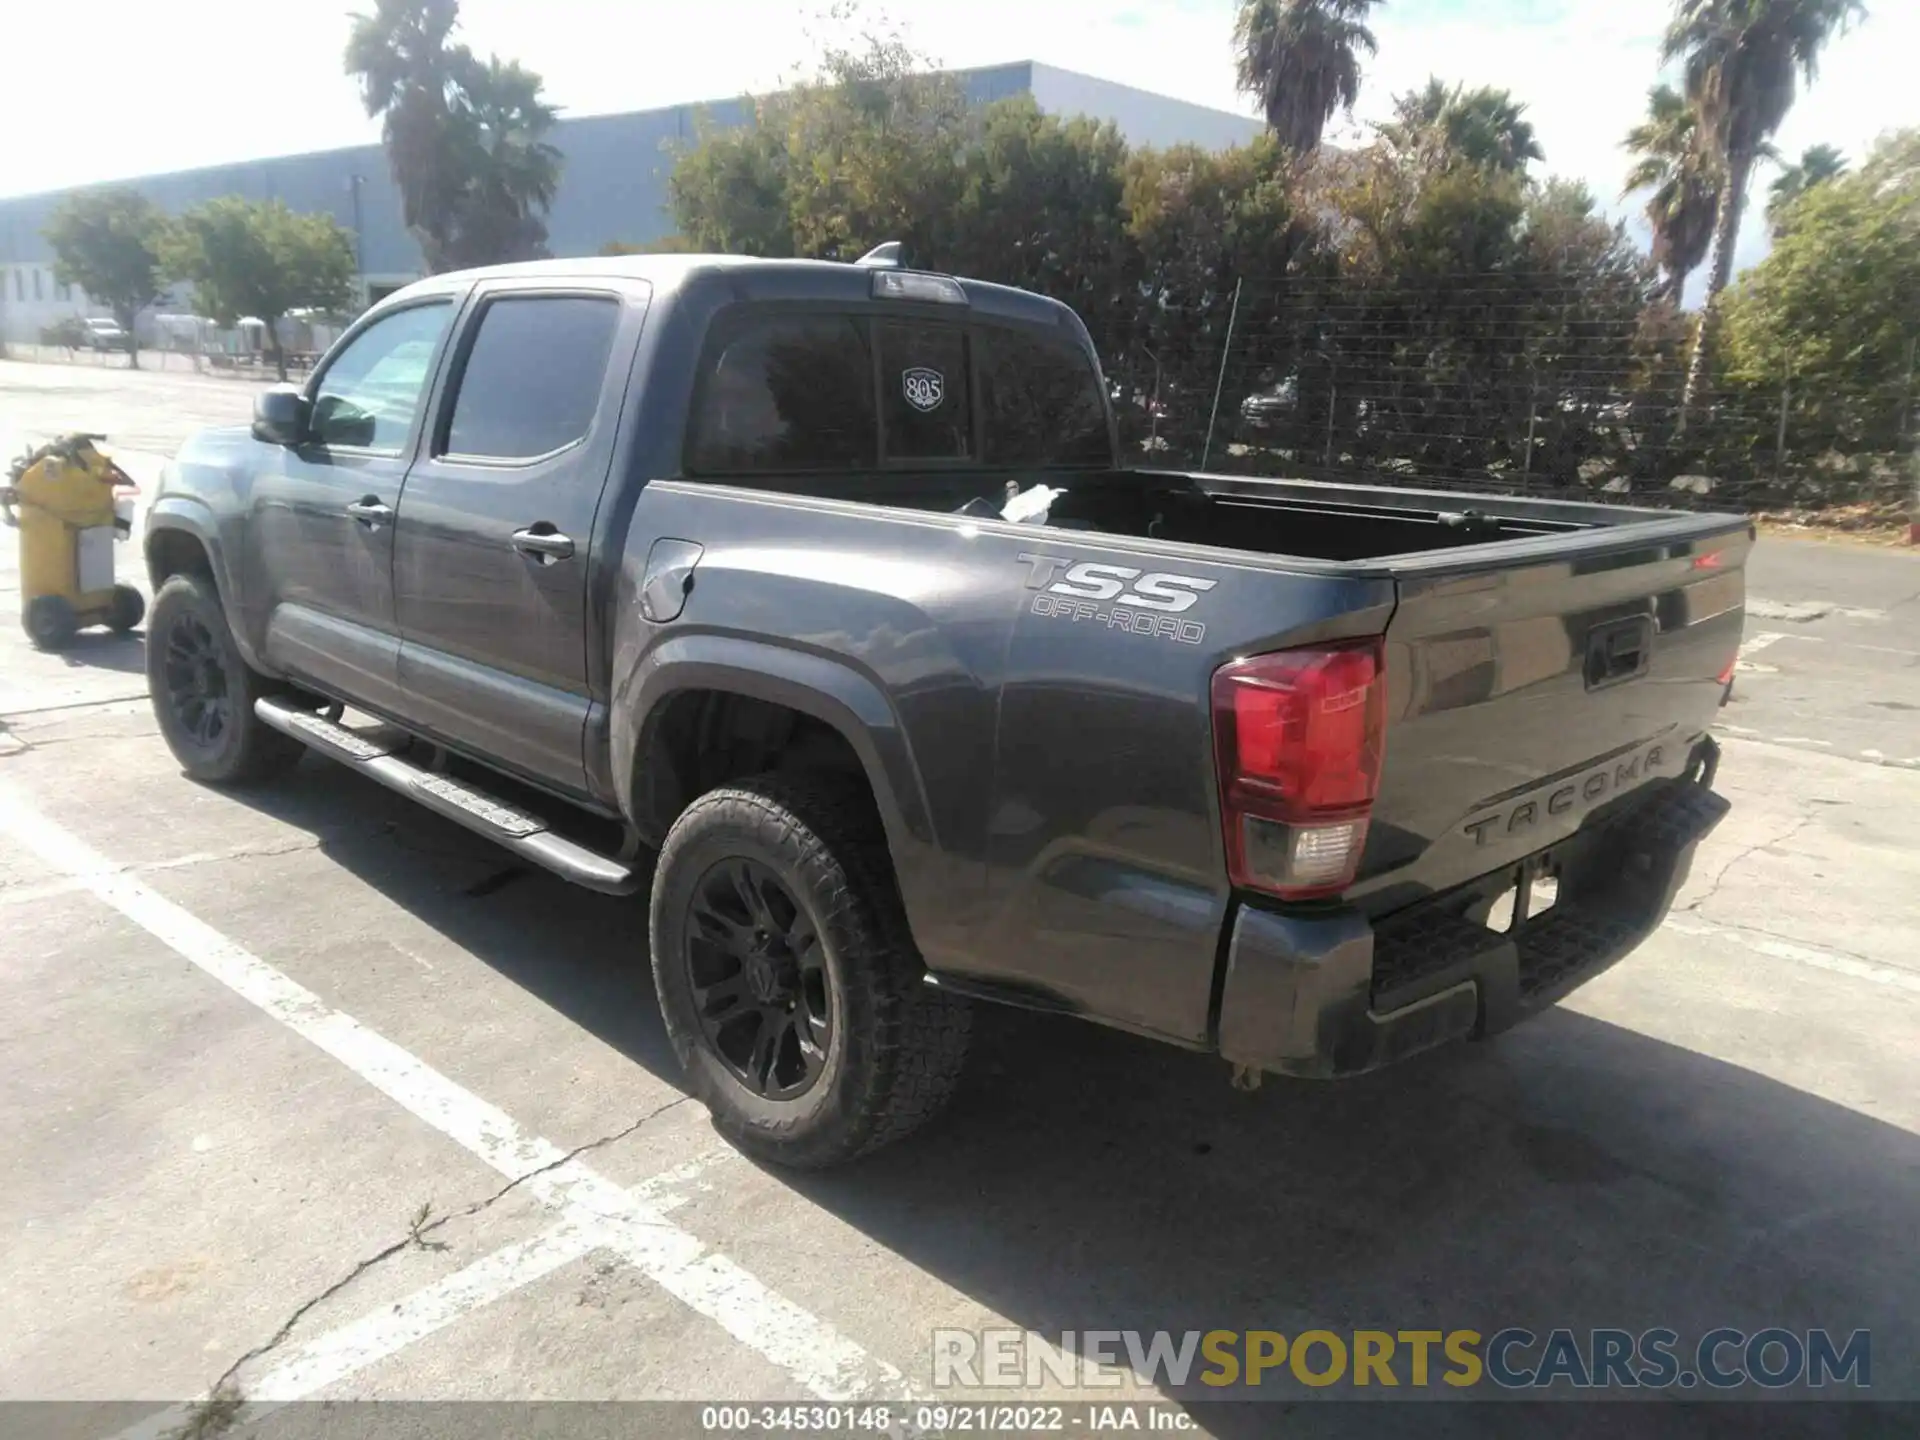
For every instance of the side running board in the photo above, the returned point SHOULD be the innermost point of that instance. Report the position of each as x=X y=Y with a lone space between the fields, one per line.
x=526 y=835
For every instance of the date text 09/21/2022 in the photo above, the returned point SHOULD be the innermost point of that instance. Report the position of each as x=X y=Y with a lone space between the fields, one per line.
x=940 y=1418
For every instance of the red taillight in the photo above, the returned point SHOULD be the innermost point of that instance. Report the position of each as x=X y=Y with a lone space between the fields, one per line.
x=1298 y=737
x=1712 y=560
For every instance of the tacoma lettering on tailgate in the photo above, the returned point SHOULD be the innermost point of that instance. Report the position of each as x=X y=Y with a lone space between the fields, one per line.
x=1571 y=796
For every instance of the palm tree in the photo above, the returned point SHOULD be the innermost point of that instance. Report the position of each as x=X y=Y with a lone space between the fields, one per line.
x=1817 y=165
x=406 y=68
x=465 y=138
x=1742 y=60
x=1301 y=60
x=512 y=173
x=1672 y=163
x=1484 y=127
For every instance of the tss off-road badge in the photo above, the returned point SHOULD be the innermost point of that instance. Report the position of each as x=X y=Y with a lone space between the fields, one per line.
x=924 y=388
x=1143 y=603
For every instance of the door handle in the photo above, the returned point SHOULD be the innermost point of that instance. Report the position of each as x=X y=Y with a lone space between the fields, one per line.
x=370 y=512
x=543 y=543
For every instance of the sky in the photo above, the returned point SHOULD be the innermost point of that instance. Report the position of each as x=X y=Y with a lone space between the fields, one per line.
x=198 y=82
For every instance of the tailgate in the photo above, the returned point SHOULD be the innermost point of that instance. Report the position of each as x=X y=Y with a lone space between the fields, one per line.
x=1535 y=683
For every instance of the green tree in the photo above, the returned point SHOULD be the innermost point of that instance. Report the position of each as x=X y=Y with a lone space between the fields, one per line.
x=108 y=242
x=465 y=138
x=1816 y=166
x=665 y=245
x=1836 y=306
x=865 y=150
x=1582 y=293
x=1743 y=61
x=728 y=188
x=260 y=259
x=1681 y=177
x=1301 y=60
x=1204 y=226
x=1441 y=124
x=1041 y=207
x=873 y=150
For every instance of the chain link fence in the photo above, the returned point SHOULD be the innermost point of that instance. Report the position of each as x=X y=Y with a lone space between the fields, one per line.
x=186 y=342
x=1496 y=383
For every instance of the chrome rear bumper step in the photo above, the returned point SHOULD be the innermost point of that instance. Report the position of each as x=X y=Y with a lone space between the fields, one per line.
x=528 y=836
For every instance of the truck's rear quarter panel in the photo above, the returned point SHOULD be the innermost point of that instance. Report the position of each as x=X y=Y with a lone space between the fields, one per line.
x=1108 y=887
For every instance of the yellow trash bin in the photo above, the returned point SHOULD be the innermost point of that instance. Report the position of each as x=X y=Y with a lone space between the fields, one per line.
x=70 y=503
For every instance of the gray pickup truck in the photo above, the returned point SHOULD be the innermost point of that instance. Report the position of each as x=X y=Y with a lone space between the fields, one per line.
x=815 y=599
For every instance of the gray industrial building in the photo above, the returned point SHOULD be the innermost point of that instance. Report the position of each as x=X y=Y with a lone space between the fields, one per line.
x=614 y=186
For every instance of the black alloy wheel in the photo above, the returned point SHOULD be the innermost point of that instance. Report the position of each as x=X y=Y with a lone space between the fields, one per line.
x=198 y=689
x=204 y=692
x=758 y=974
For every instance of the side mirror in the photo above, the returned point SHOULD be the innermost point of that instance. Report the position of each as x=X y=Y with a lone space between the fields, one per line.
x=280 y=416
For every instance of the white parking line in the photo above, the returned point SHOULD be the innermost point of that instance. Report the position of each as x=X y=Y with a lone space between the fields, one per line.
x=1823 y=747
x=390 y=1329
x=815 y=1355
x=1799 y=954
x=1804 y=612
x=32 y=891
x=344 y=1352
x=1759 y=643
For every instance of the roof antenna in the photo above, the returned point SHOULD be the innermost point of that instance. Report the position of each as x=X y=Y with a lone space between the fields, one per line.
x=889 y=256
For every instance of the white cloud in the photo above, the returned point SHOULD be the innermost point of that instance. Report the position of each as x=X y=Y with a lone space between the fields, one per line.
x=205 y=81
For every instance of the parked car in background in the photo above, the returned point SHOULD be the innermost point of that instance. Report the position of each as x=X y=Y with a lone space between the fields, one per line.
x=1270 y=407
x=102 y=334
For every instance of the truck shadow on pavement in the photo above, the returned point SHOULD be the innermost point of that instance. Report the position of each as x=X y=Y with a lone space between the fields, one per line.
x=1572 y=1173
x=583 y=954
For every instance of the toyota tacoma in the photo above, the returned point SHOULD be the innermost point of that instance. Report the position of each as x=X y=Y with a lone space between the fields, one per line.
x=816 y=601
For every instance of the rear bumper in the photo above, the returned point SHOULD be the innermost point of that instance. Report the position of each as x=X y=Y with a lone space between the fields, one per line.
x=1331 y=993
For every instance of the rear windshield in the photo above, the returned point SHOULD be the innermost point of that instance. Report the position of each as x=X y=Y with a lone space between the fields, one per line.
x=784 y=392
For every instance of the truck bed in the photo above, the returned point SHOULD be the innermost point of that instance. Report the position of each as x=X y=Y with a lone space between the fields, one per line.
x=1296 y=519
x=1526 y=641
x=1318 y=521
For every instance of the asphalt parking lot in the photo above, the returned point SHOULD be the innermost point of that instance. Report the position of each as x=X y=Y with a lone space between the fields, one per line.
x=311 y=1091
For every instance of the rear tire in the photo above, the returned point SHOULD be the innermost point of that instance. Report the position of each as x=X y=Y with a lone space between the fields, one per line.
x=889 y=1048
x=50 y=622
x=203 y=692
x=126 y=609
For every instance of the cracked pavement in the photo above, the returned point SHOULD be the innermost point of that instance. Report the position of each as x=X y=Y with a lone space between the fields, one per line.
x=230 y=1386
x=1710 y=1133
x=1739 y=857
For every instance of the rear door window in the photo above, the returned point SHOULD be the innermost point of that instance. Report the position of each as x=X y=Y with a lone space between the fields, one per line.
x=924 y=391
x=1041 y=401
x=533 y=376
x=790 y=392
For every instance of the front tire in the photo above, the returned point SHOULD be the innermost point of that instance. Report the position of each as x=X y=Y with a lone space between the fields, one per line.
x=787 y=978
x=203 y=692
